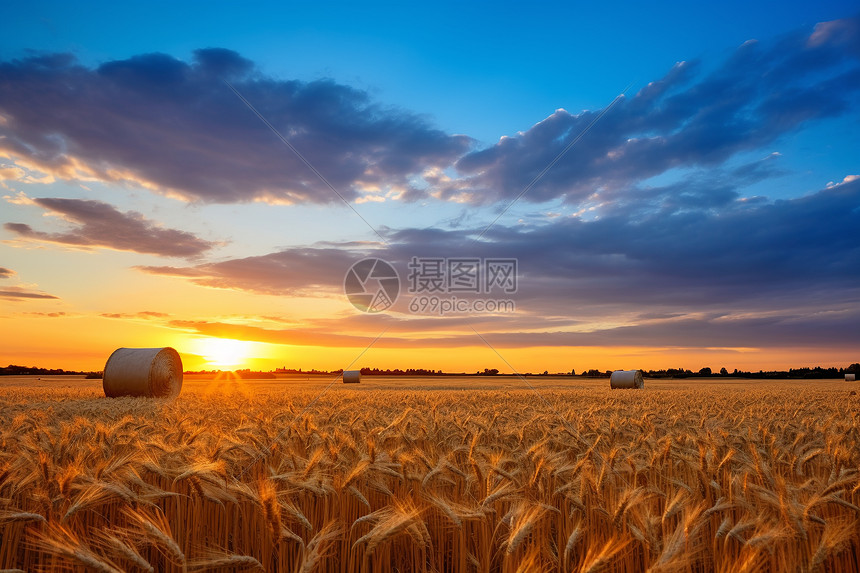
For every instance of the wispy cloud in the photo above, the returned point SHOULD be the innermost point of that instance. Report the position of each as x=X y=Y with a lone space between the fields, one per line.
x=102 y=225
x=294 y=271
x=145 y=315
x=691 y=118
x=47 y=314
x=23 y=293
x=778 y=331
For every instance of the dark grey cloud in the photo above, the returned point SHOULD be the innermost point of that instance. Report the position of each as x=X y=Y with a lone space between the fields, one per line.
x=691 y=118
x=176 y=126
x=697 y=257
x=785 y=269
x=102 y=225
x=6 y=273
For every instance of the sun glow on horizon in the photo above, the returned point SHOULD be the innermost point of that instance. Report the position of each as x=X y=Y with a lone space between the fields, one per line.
x=224 y=353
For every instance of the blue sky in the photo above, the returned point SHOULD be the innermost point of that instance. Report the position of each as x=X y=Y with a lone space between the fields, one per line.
x=487 y=69
x=125 y=154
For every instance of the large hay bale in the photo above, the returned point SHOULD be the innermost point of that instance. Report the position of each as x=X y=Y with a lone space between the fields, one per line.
x=147 y=372
x=626 y=379
x=850 y=377
x=351 y=376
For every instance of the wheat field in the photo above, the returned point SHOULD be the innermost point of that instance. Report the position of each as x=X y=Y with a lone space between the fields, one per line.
x=416 y=475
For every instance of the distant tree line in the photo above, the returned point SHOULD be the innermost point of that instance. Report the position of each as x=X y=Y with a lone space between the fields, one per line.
x=800 y=373
x=399 y=372
x=806 y=372
x=286 y=370
x=13 y=370
x=247 y=373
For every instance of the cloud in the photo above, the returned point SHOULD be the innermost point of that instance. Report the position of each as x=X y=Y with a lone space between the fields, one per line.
x=47 y=314
x=689 y=257
x=752 y=274
x=846 y=179
x=844 y=33
x=691 y=118
x=11 y=173
x=741 y=254
x=19 y=198
x=146 y=315
x=294 y=271
x=177 y=128
x=101 y=225
x=780 y=331
x=19 y=293
x=682 y=261
x=22 y=293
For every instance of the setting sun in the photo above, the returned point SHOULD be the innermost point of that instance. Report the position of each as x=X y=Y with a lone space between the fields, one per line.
x=224 y=353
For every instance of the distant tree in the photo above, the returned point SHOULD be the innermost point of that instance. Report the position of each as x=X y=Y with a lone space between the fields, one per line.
x=572 y=372
x=855 y=368
x=724 y=372
x=705 y=371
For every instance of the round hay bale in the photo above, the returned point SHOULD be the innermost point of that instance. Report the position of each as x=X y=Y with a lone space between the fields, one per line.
x=147 y=372
x=351 y=376
x=850 y=377
x=626 y=379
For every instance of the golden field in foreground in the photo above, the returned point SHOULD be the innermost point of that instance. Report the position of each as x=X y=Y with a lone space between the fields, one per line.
x=435 y=474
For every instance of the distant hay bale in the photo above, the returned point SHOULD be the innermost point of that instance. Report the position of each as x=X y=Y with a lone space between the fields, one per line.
x=146 y=372
x=626 y=379
x=351 y=376
x=850 y=377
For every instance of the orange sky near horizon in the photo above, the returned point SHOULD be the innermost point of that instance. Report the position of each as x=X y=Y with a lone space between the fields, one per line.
x=85 y=343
